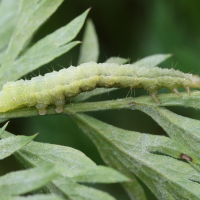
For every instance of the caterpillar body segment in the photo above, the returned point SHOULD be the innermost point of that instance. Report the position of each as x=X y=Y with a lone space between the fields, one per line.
x=55 y=87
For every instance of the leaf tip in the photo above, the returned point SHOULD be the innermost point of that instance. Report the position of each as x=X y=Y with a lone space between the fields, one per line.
x=36 y=134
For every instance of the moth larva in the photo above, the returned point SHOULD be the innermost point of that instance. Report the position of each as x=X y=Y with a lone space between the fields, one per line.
x=55 y=87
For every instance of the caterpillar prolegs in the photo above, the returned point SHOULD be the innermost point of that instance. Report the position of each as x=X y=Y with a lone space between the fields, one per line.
x=55 y=87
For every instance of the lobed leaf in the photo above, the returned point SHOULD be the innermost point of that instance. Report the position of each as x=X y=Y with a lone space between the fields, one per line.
x=3 y=128
x=129 y=149
x=28 y=63
x=117 y=60
x=1 y=56
x=8 y=15
x=32 y=15
x=9 y=145
x=35 y=197
x=12 y=144
x=100 y=174
x=24 y=181
x=90 y=48
x=45 y=50
x=75 y=191
x=182 y=129
x=152 y=61
x=69 y=163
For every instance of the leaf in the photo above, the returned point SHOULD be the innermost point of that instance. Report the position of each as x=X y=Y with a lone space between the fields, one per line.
x=28 y=63
x=8 y=16
x=68 y=162
x=24 y=181
x=172 y=148
x=3 y=120
x=1 y=56
x=117 y=60
x=9 y=145
x=75 y=191
x=3 y=128
x=32 y=15
x=100 y=174
x=152 y=61
x=35 y=197
x=129 y=149
x=12 y=144
x=182 y=129
x=90 y=48
x=45 y=50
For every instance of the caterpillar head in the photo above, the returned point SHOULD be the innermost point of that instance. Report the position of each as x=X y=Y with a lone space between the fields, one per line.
x=196 y=81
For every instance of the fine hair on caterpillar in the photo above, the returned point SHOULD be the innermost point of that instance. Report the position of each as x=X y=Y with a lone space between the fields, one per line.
x=55 y=87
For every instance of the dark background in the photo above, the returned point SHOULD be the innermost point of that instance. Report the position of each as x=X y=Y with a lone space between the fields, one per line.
x=126 y=28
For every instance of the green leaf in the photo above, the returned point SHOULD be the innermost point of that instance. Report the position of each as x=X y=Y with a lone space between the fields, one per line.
x=182 y=129
x=68 y=162
x=3 y=128
x=1 y=56
x=90 y=48
x=32 y=15
x=24 y=181
x=100 y=174
x=45 y=50
x=129 y=149
x=8 y=15
x=117 y=60
x=9 y=145
x=31 y=61
x=35 y=197
x=12 y=144
x=75 y=191
x=152 y=61
x=172 y=148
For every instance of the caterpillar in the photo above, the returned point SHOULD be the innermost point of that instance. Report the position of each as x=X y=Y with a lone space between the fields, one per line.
x=55 y=87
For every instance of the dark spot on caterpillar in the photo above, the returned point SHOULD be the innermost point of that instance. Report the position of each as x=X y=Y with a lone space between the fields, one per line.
x=132 y=104
x=186 y=157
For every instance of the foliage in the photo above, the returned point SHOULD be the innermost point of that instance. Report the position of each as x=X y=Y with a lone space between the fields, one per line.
x=169 y=166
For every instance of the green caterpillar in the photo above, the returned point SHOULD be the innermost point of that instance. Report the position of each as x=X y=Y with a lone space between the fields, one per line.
x=55 y=87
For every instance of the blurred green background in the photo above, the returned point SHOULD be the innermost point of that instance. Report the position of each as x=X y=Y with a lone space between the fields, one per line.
x=130 y=29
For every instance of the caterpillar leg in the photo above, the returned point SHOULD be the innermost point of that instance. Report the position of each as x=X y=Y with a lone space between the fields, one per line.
x=188 y=90
x=154 y=97
x=176 y=92
x=41 y=108
x=59 y=105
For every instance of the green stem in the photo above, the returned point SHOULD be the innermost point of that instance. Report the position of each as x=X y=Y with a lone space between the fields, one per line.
x=126 y=103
